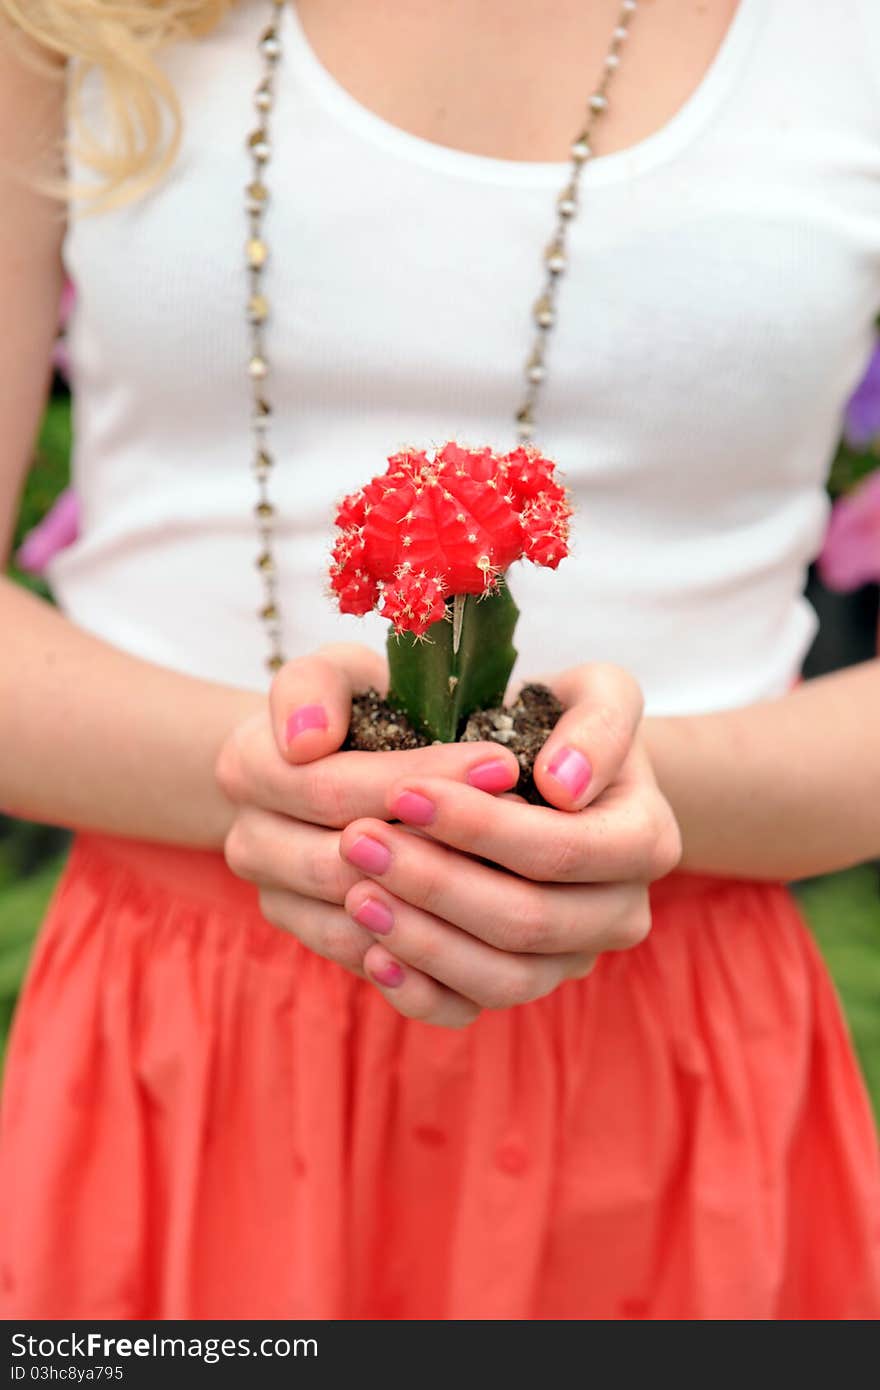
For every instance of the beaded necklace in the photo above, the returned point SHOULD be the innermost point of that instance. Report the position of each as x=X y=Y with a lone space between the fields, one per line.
x=257 y=253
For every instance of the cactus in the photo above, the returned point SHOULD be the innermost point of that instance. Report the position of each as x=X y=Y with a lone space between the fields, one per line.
x=429 y=543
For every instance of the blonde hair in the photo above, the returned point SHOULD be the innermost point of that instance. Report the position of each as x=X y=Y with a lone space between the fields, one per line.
x=119 y=38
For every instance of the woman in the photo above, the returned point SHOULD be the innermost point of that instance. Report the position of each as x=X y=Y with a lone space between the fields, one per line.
x=277 y=1056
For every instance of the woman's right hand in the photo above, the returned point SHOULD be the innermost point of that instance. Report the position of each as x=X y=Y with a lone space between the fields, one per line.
x=294 y=792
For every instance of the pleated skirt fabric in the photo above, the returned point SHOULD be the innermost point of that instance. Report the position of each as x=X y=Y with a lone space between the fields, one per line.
x=202 y=1119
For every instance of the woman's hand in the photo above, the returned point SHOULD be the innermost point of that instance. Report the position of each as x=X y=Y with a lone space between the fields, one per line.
x=293 y=793
x=560 y=885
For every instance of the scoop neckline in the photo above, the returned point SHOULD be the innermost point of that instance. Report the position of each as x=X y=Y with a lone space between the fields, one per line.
x=662 y=144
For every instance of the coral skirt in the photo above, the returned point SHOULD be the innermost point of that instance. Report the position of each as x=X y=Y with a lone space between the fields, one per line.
x=202 y=1119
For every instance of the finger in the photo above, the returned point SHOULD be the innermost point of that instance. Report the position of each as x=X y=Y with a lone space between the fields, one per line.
x=503 y=910
x=341 y=787
x=265 y=848
x=329 y=932
x=414 y=995
x=616 y=840
x=490 y=978
x=310 y=698
x=326 y=930
x=590 y=743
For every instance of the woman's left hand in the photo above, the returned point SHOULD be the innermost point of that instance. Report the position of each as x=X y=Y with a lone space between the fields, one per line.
x=496 y=902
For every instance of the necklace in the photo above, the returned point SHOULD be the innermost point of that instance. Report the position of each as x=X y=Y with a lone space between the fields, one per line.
x=257 y=253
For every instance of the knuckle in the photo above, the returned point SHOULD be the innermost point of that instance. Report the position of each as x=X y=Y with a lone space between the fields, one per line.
x=634 y=923
x=470 y=823
x=526 y=924
x=312 y=665
x=279 y=682
x=467 y=1014
x=327 y=873
x=420 y=1006
x=324 y=794
x=614 y=730
x=272 y=907
x=583 y=966
x=423 y=954
x=644 y=825
x=668 y=848
x=514 y=985
x=353 y=658
x=229 y=766
x=238 y=847
x=564 y=857
x=429 y=886
x=623 y=682
x=339 y=943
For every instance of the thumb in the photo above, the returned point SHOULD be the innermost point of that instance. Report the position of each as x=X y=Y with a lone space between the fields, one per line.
x=310 y=698
x=587 y=748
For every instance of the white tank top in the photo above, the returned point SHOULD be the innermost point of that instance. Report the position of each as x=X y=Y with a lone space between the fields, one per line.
x=724 y=278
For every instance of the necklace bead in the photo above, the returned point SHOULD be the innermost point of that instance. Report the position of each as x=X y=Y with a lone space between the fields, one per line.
x=270 y=45
x=256 y=197
x=258 y=144
x=555 y=258
x=567 y=201
x=258 y=308
x=544 y=313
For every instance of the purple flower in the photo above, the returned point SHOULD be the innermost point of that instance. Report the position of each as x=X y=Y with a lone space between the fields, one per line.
x=851 y=554
x=59 y=528
x=862 y=419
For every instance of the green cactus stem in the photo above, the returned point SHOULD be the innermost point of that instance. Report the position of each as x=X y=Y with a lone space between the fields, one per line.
x=462 y=664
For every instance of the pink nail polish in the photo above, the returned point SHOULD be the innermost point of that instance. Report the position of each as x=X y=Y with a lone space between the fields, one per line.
x=494 y=776
x=305 y=718
x=369 y=854
x=389 y=975
x=572 y=770
x=374 y=916
x=414 y=809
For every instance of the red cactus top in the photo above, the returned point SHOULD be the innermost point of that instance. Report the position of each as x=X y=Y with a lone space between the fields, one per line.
x=428 y=528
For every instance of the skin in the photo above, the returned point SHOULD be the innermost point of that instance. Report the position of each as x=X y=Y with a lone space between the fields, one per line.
x=492 y=903
x=774 y=791
x=507 y=78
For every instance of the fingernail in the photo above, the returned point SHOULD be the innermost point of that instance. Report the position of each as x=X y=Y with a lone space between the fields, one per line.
x=389 y=975
x=304 y=718
x=369 y=854
x=414 y=808
x=572 y=770
x=374 y=916
x=494 y=776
